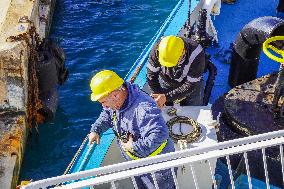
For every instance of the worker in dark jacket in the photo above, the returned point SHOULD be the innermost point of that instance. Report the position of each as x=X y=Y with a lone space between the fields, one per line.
x=174 y=71
x=136 y=121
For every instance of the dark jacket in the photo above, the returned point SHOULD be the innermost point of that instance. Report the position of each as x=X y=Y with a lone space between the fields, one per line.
x=180 y=80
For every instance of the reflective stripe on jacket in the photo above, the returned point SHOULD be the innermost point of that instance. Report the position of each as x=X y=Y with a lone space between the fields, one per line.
x=181 y=79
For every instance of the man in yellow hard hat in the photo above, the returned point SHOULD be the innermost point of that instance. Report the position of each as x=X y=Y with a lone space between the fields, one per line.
x=136 y=121
x=174 y=71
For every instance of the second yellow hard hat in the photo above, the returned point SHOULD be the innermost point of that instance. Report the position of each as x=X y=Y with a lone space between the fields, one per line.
x=170 y=50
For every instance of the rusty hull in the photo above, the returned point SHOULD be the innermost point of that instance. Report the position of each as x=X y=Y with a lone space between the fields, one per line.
x=12 y=142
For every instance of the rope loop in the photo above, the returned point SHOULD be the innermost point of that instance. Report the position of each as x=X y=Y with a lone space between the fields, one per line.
x=192 y=136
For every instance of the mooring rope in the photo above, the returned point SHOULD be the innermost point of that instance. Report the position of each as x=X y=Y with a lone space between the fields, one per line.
x=69 y=167
x=190 y=137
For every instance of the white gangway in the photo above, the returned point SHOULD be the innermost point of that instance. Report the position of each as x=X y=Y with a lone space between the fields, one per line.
x=116 y=172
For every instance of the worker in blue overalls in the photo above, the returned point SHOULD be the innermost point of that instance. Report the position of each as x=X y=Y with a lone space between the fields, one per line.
x=136 y=121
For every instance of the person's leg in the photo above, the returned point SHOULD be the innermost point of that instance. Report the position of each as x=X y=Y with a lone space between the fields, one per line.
x=140 y=183
x=195 y=98
x=140 y=180
x=165 y=179
x=145 y=182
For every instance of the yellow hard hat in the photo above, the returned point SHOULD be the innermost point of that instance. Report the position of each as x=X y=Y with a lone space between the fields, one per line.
x=104 y=83
x=170 y=50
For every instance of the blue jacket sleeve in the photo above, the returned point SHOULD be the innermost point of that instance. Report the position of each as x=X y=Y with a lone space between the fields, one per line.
x=103 y=123
x=152 y=127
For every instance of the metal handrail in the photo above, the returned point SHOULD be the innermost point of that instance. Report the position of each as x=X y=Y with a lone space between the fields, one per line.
x=171 y=159
x=173 y=163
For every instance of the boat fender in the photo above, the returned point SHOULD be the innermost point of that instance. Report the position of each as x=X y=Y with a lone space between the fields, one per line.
x=58 y=53
x=47 y=72
x=248 y=45
x=61 y=57
x=49 y=105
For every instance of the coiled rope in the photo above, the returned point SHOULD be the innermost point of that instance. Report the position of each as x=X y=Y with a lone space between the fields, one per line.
x=192 y=136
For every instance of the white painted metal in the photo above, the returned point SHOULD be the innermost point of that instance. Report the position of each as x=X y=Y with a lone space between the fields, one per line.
x=134 y=183
x=248 y=171
x=176 y=159
x=194 y=176
x=155 y=180
x=138 y=168
x=213 y=7
x=265 y=168
x=208 y=137
x=212 y=174
x=230 y=172
x=175 y=178
x=113 y=185
x=282 y=162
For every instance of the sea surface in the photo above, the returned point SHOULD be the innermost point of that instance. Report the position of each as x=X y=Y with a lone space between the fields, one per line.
x=96 y=35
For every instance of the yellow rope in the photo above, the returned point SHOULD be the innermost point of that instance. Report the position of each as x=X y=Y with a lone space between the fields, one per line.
x=76 y=155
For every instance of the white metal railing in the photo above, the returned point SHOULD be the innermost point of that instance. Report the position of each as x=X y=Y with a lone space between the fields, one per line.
x=111 y=173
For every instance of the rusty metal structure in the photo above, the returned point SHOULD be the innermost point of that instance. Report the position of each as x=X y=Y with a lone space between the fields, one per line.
x=33 y=41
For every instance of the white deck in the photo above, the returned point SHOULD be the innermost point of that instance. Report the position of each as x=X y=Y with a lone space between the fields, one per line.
x=208 y=137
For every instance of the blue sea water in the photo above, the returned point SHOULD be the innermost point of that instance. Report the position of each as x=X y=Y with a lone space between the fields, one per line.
x=95 y=34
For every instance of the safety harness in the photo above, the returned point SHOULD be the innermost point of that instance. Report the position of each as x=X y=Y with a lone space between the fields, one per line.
x=124 y=139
